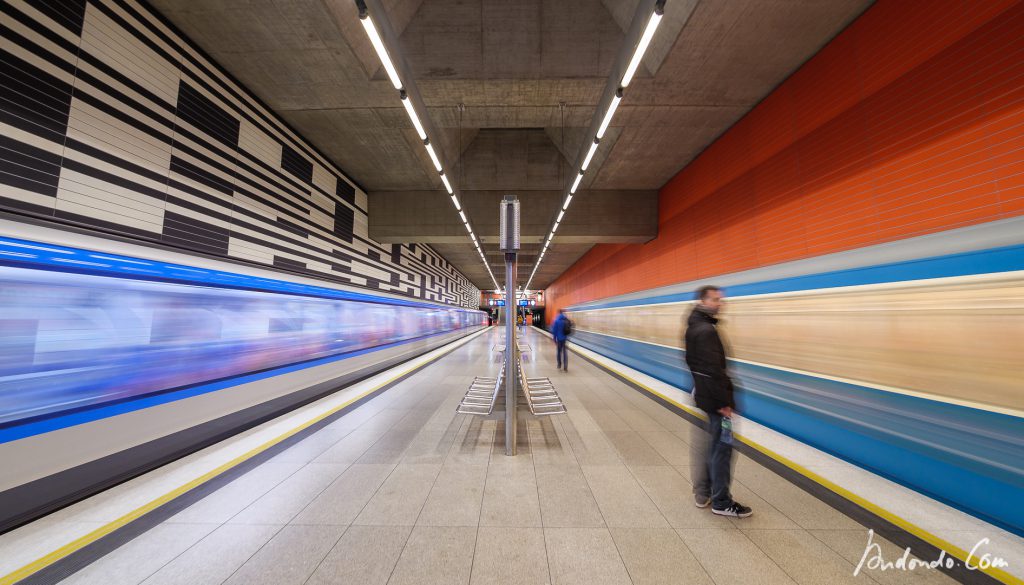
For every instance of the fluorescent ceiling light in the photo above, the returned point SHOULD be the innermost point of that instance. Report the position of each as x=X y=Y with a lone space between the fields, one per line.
x=389 y=66
x=608 y=115
x=590 y=155
x=407 y=104
x=634 y=64
x=641 y=48
x=382 y=51
x=575 y=184
x=433 y=156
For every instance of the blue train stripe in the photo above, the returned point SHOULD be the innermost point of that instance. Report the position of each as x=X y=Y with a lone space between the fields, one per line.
x=970 y=459
x=26 y=254
x=1004 y=259
x=20 y=430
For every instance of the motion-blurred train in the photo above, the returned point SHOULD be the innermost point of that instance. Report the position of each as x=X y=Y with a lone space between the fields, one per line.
x=71 y=341
x=113 y=363
x=905 y=358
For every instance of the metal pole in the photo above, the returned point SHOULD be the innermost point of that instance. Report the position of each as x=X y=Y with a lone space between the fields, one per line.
x=509 y=238
x=511 y=355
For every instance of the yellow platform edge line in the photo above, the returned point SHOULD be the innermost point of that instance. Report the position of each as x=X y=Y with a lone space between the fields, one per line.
x=83 y=541
x=860 y=501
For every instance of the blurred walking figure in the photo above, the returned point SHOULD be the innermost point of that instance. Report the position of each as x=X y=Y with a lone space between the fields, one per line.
x=713 y=393
x=561 y=329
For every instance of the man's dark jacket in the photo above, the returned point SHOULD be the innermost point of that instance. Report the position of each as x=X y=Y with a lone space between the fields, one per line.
x=705 y=355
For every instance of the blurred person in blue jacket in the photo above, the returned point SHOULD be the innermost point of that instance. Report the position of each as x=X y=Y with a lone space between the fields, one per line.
x=561 y=329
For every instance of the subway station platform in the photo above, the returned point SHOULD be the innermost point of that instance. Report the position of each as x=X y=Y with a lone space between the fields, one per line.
x=384 y=483
x=251 y=253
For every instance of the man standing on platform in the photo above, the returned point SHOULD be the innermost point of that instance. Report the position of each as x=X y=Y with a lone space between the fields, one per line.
x=560 y=330
x=713 y=393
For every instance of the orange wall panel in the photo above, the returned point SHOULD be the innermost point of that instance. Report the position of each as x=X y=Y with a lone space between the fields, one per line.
x=910 y=121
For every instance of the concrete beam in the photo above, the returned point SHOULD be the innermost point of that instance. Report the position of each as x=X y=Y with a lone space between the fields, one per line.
x=596 y=216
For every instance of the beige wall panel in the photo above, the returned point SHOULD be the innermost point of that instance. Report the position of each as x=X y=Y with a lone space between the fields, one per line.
x=37 y=16
x=71 y=205
x=97 y=193
x=257 y=143
x=115 y=170
x=258 y=207
x=121 y=50
x=324 y=179
x=28 y=196
x=321 y=219
x=103 y=132
x=207 y=219
x=31 y=139
x=323 y=201
x=244 y=249
x=959 y=338
x=143 y=11
x=285 y=199
x=31 y=58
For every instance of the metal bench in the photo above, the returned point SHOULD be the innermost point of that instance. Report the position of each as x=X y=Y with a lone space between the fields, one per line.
x=482 y=395
x=523 y=347
x=541 y=397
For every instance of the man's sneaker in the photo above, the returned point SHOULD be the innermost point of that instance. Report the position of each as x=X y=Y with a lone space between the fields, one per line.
x=736 y=510
x=701 y=501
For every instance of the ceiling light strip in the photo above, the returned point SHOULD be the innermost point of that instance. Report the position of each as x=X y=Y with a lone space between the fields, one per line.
x=410 y=109
x=576 y=183
x=590 y=154
x=649 y=12
x=433 y=155
x=608 y=114
x=382 y=51
x=641 y=48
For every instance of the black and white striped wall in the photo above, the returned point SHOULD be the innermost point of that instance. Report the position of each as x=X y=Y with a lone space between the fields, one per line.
x=112 y=120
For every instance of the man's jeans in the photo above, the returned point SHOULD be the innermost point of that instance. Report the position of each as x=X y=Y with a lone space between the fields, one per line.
x=711 y=467
x=561 y=355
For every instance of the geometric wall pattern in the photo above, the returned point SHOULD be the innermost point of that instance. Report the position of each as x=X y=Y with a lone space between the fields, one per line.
x=113 y=120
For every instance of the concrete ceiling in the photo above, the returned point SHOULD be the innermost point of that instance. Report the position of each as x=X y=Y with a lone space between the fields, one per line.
x=511 y=87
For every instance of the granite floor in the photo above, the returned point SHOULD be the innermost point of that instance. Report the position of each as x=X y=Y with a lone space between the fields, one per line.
x=402 y=490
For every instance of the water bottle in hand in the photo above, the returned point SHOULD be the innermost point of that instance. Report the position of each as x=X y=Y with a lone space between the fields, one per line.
x=726 y=436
